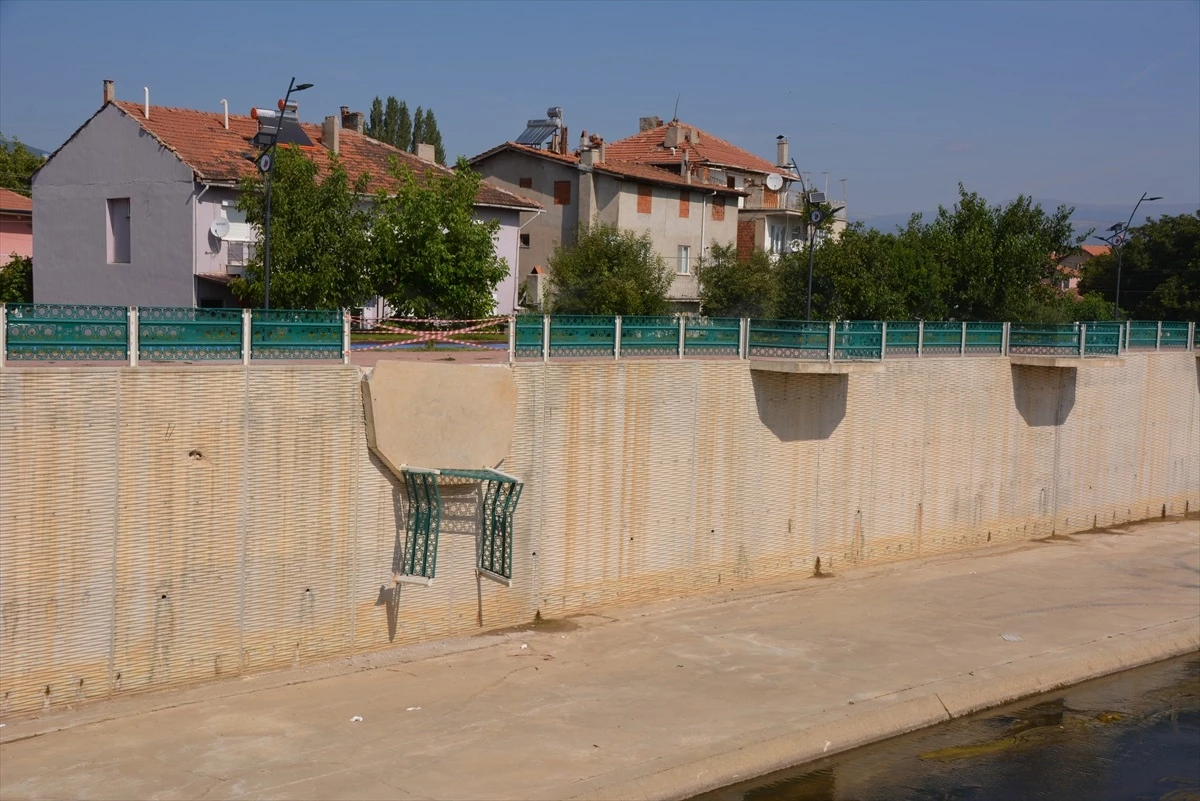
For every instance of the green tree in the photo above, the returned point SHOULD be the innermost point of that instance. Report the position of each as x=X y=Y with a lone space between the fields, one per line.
x=418 y=129
x=16 y=280
x=403 y=127
x=432 y=136
x=1160 y=270
x=608 y=271
x=374 y=126
x=17 y=164
x=998 y=257
x=321 y=251
x=733 y=288
x=434 y=258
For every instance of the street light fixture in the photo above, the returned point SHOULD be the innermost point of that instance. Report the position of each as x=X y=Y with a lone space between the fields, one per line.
x=1116 y=239
x=270 y=125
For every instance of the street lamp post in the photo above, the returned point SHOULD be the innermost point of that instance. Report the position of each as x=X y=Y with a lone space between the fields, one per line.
x=266 y=161
x=1117 y=240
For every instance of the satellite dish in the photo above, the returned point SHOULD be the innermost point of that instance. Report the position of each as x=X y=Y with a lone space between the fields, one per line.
x=774 y=181
x=219 y=228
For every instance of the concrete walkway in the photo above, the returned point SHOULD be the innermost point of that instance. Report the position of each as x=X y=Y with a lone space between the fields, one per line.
x=652 y=702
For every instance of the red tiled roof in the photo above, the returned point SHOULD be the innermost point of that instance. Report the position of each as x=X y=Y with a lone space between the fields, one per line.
x=1096 y=250
x=616 y=167
x=647 y=148
x=200 y=140
x=13 y=201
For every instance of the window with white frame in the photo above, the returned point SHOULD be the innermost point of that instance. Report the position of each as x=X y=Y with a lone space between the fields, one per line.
x=776 y=234
x=684 y=266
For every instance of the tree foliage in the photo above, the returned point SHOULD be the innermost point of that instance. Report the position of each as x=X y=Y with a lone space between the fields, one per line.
x=390 y=121
x=16 y=280
x=17 y=164
x=608 y=271
x=733 y=288
x=433 y=257
x=321 y=252
x=1160 y=270
x=971 y=262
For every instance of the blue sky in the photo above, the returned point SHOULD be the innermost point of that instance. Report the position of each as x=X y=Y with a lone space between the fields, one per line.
x=1086 y=102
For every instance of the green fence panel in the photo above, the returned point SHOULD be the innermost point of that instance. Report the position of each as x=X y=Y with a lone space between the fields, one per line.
x=649 y=336
x=58 y=332
x=941 y=339
x=710 y=336
x=1142 y=335
x=985 y=338
x=501 y=494
x=422 y=524
x=902 y=337
x=858 y=340
x=1103 y=339
x=789 y=339
x=1174 y=336
x=1036 y=338
x=187 y=334
x=295 y=334
x=583 y=335
x=529 y=336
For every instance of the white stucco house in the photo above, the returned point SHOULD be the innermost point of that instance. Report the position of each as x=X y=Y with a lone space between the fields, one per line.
x=123 y=211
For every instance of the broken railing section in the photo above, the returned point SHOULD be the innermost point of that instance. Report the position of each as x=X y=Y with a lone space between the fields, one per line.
x=501 y=493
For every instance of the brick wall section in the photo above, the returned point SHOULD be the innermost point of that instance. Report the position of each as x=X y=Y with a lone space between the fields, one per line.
x=718 y=209
x=645 y=199
x=745 y=239
x=685 y=204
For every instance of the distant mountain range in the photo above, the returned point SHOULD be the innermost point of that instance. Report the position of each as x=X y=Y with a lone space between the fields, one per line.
x=1087 y=215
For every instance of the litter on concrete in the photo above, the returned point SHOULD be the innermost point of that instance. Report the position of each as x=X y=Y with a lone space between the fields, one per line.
x=356 y=719
x=1011 y=637
x=412 y=709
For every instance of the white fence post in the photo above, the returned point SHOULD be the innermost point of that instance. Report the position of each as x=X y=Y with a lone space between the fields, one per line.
x=1004 y=335
x=744 y=339
x=345 y=336
x=1082 y=340
x=512 y=338
x=682 y=333
x=132 y=327
x=247 y=320
x=1191 y=339
x=883 y=342
x=3 y=333
x=617 y=338
x=832 y=339
x=1158 y=336
x=920 y=337
x=545 y=337
x=962 y=344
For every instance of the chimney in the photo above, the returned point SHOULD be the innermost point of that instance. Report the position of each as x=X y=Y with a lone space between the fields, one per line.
x=781 y=151
x=583 y=141
x=674 y=136
x=352 y=120
x=588 y=156
x=110 y=92
x=562 y=141
x=426 y=152
x=331 y=134
x=648 y=123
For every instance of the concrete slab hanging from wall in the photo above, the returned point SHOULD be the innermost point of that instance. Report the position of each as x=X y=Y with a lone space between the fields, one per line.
x=440 y=415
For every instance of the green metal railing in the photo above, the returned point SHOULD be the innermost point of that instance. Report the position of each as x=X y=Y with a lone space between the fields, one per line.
x=63 y=332
x=1046 y=340
x=583 y=335
x=423 y=523
x=295 y=334
x=649 y=336
x=1175 y=336
x=1141 y=335
x=56 y=332
x=183 y=334
x=789 y=338
x=528 y=340
x=711 y=336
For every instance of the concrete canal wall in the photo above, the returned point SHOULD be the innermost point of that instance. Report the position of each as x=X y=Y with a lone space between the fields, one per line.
x=174 y=525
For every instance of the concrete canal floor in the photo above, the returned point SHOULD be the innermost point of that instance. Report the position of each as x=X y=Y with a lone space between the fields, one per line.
x=659 y=701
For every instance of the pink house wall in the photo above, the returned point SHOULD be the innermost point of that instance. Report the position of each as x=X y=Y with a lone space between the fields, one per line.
x=16 y=236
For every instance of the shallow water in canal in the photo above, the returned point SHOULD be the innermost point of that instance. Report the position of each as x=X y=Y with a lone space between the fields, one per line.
x=1134 y=735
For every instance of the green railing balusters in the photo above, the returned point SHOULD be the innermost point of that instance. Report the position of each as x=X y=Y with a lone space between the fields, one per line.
x=710 y=336
x=185 y=334
x=59 y=332
x=789 y=339
x=649 y=336
x=858 y=340
x=1174 y=336
x=295 y=334
x=529 y=336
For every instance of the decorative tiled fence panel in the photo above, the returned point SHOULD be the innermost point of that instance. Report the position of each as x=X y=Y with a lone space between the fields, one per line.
x=295 y=334
x=55 y=332
x=183 y=334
